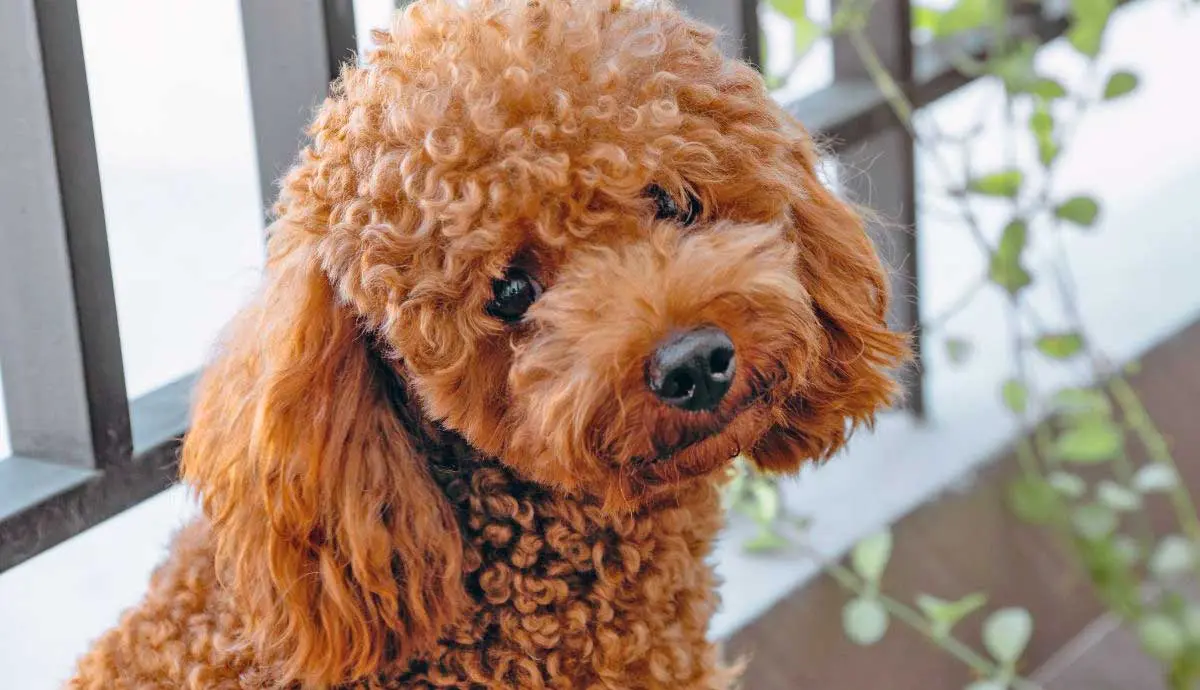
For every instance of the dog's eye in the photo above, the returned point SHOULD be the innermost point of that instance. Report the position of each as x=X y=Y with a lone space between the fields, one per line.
x=513 y=295
x=667 y=208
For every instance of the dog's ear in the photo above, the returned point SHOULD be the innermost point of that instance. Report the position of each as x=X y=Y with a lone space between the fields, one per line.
x=339 y=549
x=852 y=376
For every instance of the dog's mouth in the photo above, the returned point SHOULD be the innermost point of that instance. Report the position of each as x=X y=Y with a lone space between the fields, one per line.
x=697 y=437
x=703 y=451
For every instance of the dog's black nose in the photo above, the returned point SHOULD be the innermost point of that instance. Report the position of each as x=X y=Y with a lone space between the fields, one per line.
x=692 y=370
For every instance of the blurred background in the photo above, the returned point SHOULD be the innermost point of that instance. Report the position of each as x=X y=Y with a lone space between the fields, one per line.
x=1023 y=519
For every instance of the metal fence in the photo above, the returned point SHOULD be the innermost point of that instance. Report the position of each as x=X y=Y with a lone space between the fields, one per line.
x=82 y=451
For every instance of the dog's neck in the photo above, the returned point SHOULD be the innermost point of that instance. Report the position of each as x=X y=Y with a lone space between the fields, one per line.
x=556 y=577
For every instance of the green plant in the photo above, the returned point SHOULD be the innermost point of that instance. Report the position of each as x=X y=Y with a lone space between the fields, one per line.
x=757 y=496
x=1100 y=512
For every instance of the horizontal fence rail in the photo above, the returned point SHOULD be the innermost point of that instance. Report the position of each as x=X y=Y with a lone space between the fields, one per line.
x=82 y=451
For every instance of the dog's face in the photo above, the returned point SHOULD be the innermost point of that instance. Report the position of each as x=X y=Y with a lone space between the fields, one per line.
x=598 y=249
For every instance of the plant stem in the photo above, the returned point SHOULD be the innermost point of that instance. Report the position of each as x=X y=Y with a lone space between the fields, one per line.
x=903 y=108
x=985 y=667
x=884 y=80
x=1123 y=469
x=1034 y=444
x=1138 y=419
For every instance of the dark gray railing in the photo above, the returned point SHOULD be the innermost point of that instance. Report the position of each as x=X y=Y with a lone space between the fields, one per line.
x=82 y=451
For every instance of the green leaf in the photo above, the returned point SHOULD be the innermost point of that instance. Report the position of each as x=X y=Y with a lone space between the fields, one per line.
x=967 y=15
x=1047 y=89
x=1173 y=556
x=1041 y=124
x=766 y=541
x=1094 y=521
x=1092 y=10
x=735 y=491
x=805 y=34
x=864 y=620
x=1117 y=497
x=1092 y=441
x=1015 y=396
x=1005 y=268
x=1127 y=549
x=987 y=685
x=1109 y=568
x=870 y=556
x=1089 y=20
x=849 y=16
x=1155 y=477
x=1191 y=622
x=766 y=501
x=1060 y=345
x=1015 y=68
x=1080 y=210
x=792 y=9
x=1006 y=633
x=1120 y=84
x=944 y=615
x=958 y=350
x=1033 y=500
x=1048 y=151
x=1160 y=637
x=1067 y=484
x=1172 y=604
x=1006 y=183
x=925 y=19
x=1087 y=38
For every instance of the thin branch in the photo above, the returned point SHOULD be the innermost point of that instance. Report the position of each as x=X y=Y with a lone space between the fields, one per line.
x=903 y=108
x=906 y=614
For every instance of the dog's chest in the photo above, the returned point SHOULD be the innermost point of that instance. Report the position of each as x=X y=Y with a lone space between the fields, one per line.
x=569 y=598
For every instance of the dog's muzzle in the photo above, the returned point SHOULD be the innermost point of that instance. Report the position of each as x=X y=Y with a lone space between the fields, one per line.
x=692 y=370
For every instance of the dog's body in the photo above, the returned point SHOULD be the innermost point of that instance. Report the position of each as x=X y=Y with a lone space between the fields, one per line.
x=567 y=597
x=545 y=268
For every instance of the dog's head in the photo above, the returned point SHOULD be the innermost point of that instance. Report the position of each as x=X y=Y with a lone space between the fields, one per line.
x=578 y=238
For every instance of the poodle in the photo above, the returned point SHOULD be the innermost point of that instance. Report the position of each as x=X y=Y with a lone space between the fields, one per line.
x=544 y=269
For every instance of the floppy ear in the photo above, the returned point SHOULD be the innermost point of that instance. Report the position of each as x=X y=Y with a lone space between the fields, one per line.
x=852 y=378
x=339 y=549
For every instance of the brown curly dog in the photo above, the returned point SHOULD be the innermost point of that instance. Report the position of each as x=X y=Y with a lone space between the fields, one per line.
x=545 y=268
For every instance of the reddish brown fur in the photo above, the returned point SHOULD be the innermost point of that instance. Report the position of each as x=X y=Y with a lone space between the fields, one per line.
x=401 y=491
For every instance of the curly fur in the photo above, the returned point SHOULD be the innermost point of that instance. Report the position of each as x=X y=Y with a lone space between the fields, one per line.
x=401 y=491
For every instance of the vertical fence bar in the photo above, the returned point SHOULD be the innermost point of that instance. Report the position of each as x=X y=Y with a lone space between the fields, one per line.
x=294 y=48
x=60 y=346
x=340 y=44
x=738 y=22
x=882 y=175
x=752 y=33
